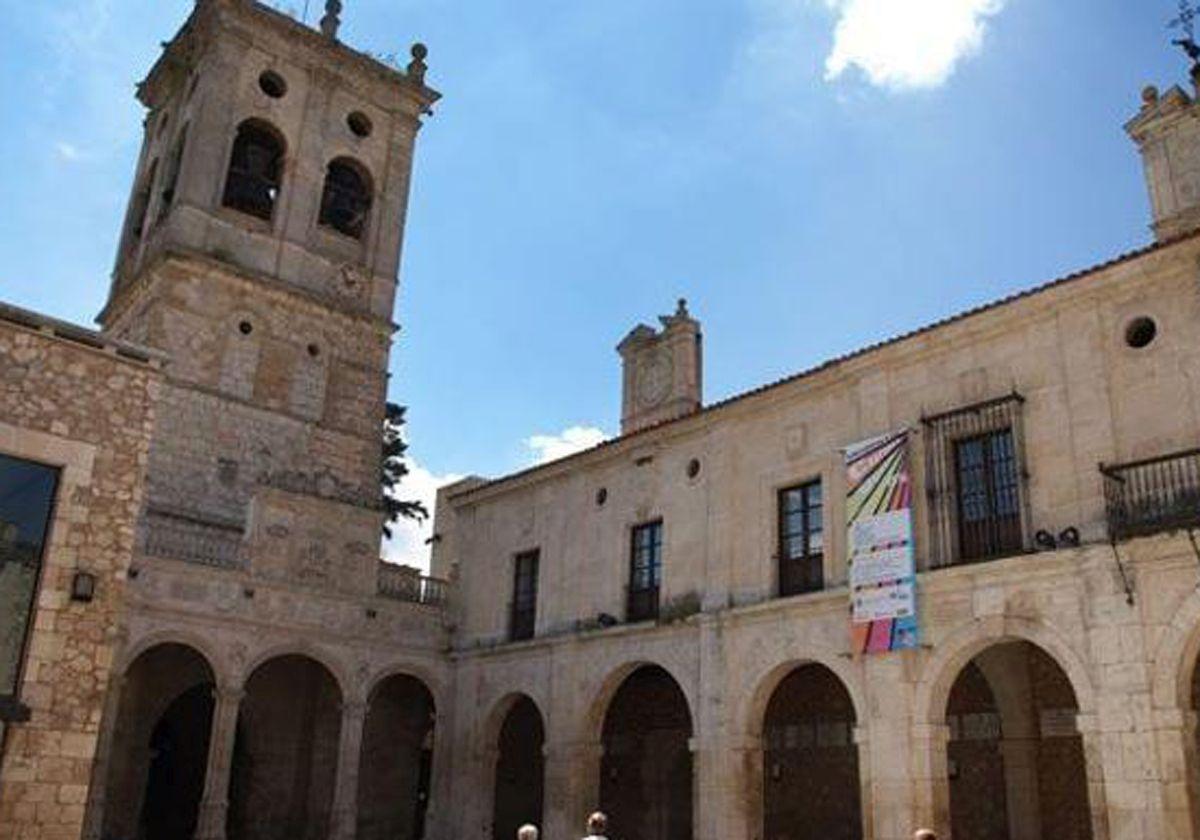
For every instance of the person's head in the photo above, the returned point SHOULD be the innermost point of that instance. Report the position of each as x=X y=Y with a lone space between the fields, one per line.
x=924 y=834
x=597 y=823
x=527 y=832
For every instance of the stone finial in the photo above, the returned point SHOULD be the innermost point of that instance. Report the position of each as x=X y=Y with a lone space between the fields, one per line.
x=417 y=67
x=332 y=19
x=681 y=310
x=1149 y=95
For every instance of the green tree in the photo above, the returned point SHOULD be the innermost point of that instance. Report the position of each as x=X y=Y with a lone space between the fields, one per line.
x=393 y=471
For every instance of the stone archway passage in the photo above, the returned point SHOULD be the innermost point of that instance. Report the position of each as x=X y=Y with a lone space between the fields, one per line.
x=1015 y=759
x=811 y=786
x=160 y=746
x=520 y=768
x=285 y=752
x=646 y=771
x=396 y=761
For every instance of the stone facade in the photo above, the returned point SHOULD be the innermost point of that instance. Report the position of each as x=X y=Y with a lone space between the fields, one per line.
x=249 y=669
x=73 y=400
x=727 y=638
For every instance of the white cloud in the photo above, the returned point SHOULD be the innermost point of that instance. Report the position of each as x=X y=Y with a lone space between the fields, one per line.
x=68 y=151
x=546 y=448
x=907 y=44
x=407 y=544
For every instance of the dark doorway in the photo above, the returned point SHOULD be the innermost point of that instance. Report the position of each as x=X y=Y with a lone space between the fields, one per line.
x=285 y=753
x=159 y=753
x=811 y=784
x=1015 y=759
x=396 y=764
x=519 y=771
x=178 y=758
x=646 y=771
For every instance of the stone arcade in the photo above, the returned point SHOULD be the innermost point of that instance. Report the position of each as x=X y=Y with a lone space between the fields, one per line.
x=206 y=645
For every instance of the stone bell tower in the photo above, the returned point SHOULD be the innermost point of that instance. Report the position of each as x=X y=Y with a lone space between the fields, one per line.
x=1167 y=133
x=662 y=377
x=260 y=250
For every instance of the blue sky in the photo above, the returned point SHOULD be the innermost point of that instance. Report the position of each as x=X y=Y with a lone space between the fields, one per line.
x=813 y=175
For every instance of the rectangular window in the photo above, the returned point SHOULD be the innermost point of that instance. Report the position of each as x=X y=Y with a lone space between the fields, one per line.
x=645 y=572
x=801 y=539
x=26 y=502
x=524 y=602
x=976 y=482
x=989 y=508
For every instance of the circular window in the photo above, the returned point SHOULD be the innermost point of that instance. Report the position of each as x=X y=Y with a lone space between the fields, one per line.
x=360 y=124
x=314 y=350
x=601 y=496
x=1140 y=332
x=272 y=84
x=693 y=468
x=245 y=328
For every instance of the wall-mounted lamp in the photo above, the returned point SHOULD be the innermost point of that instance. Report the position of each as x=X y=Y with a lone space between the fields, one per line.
x=436 y=538
x=1045 y=541
x=83 y=587
x=1069 y=537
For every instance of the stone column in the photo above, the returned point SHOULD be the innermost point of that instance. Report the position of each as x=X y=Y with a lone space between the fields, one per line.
x=345 y=797
x=931 y=783
x=571 y=788
x=214 y=805
x=93 y=821
x=728 y=787
x=1020 y=757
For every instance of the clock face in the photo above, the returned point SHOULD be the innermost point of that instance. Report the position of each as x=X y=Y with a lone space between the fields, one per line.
x=654 y=380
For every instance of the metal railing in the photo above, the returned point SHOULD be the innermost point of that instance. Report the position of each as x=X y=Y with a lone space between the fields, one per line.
x=402 y=584
x=1152 y=495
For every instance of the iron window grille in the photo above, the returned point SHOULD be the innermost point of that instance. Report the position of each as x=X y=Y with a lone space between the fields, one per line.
x=1152 y=495
x=645 y=572
x=801 y=539
x=976 y=482
x=27 y=493
x=523 y=618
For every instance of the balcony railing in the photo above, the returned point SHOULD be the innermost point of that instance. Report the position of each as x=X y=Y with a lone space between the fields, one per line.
x=1152 y=495
x=402 y=584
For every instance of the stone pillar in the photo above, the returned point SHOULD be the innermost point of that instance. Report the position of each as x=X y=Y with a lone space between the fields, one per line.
x=728 y=790
x=93 y=821
x=572 y=786
x=1098 y=779
x=344 y=824
x=1020 y=757
x=931 y=782
x=214 y=805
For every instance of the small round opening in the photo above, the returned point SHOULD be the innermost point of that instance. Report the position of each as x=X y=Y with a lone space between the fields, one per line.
x=272 y=84
x=245 y=328
x=314 y=350
x=693 y=468
x=601 y=496
x=360 y=124
x=1140 y=332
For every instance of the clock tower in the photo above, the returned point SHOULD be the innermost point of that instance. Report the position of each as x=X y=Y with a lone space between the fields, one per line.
x=662 y=371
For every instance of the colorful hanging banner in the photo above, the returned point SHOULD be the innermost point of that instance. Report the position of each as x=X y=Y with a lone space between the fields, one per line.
x=880 y=545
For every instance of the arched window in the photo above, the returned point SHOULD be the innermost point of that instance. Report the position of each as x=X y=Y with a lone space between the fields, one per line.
x=171 y=176
x=255 y=170
x=141 y=203
x=346 y=200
